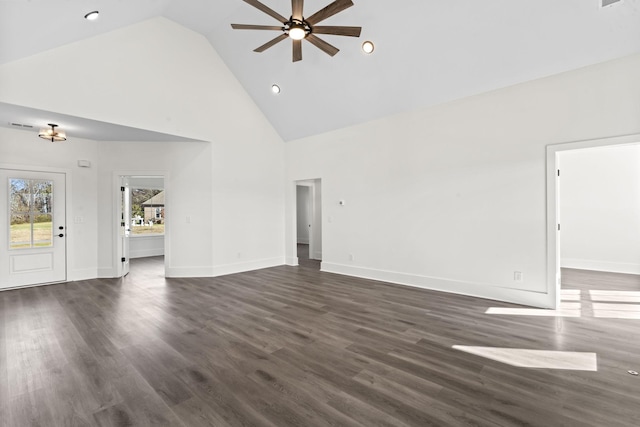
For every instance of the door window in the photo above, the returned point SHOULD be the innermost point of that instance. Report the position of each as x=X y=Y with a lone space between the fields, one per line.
x=30 y=213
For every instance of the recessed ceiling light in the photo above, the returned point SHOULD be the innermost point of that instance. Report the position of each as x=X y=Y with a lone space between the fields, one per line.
x=92 y=16
x=275 y=89
x=368 y=47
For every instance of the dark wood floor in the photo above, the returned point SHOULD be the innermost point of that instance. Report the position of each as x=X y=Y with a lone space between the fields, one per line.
x=304 y=260
x=291 y=346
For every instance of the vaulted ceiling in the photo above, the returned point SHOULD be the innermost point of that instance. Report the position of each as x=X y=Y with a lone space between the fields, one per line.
x=427 y=52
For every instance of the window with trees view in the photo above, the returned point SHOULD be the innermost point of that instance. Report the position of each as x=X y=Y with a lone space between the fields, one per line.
x=30 y=216
x=147 y=211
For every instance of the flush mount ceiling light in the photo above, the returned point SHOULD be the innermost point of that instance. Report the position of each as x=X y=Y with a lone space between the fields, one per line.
x=299 y=28
x=368 y=47
x=275 y=89
x=92 y=16
x=52 y=134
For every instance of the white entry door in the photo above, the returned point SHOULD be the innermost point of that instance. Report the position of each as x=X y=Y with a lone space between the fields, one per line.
x=32 y=228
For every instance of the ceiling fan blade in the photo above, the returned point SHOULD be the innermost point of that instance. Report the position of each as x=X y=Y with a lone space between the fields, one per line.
x=323 y=45
x=338 y=31
x=297 y=50
x=255 y=27
x=296 y=9
x=335 y=7
x=271 y=43
x=267 y=10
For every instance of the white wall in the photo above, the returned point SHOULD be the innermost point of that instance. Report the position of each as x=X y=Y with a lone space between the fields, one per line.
x=600 y=209
x=303 y=213
x=159 y=76
x=20 y=148
x=187 y=193
x=453 y=197
x=145 y=246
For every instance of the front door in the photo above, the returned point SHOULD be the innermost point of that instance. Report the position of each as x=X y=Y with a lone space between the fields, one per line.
x=32 y=228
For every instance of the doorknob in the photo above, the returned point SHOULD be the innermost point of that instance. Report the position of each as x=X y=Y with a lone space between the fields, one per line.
x=60 y=235
x=61 y=228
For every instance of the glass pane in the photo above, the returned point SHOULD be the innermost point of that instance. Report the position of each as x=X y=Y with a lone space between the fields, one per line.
x=42 y=230
x=42 y=194
x=31 y=213
x=147 y=211
x=19 y=195
x=20 y=231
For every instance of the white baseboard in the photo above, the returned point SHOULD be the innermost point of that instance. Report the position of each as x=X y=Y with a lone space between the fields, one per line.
x=106 y=273
x=292 y=260
x=143 y=253
x=481 y=290
x=222 y=270
x=612 y=267
x=83 y=274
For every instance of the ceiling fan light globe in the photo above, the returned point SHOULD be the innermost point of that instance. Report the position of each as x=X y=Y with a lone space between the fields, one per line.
x=297 y=33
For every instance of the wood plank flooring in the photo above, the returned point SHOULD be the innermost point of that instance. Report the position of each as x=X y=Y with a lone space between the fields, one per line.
x=291 y=346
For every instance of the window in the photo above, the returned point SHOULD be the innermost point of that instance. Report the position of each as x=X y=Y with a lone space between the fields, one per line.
x=147 y=211
x=30 y=216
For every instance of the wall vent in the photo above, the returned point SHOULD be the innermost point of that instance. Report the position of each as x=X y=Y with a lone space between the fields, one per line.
x=20 y=125
x=606 y=3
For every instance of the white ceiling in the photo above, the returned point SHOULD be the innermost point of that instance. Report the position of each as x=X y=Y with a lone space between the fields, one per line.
x=427 y=52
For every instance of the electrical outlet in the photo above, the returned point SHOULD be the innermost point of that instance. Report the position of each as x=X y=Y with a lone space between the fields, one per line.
x=518 y=276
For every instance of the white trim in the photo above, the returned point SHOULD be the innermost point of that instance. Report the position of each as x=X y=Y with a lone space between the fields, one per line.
x=553 y=253
x=596 y=265
x=83 y=274
x=480 y=290
x=106 y=273
x=293 y=261
x=223 y=270
x=145 y=253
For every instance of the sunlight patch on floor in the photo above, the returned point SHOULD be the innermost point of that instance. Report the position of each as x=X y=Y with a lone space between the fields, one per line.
x=538 y=359
x=570 y=294
x=602 y=305
x=569 y=309
x=615 y=296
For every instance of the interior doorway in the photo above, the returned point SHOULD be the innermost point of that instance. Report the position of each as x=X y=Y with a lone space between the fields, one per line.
x=140 y=218
x=309 y=223
x=573 y=253
x=599 y=203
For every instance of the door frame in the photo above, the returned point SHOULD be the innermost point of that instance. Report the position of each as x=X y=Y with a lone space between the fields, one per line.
x=116 y=183
x=553 y=204
x=69 y=229
x=311 y=209
x=291 y=236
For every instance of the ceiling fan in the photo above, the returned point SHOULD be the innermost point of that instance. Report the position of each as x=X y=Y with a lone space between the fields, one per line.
x=299 y=28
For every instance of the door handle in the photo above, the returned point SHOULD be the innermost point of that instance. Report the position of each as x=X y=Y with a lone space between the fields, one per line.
x=61 y=228
x=60 y=235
